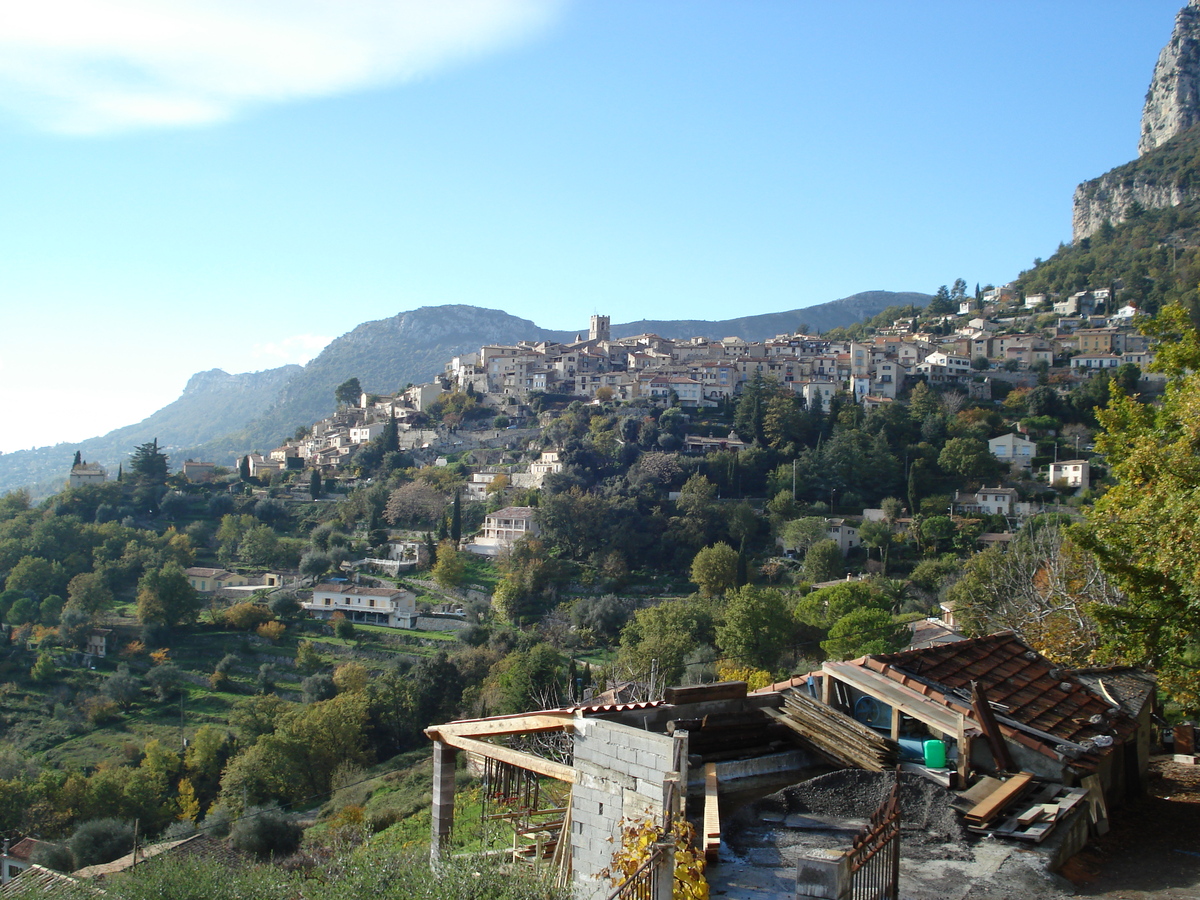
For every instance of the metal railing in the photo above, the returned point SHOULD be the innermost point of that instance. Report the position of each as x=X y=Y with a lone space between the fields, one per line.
x=644 y=883
x=874 y=858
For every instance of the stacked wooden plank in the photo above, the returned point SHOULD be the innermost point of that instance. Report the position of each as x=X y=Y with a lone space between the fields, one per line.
x=1017 y=808
x=835 y=734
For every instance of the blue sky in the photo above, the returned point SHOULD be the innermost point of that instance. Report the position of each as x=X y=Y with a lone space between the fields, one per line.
x=232 y=183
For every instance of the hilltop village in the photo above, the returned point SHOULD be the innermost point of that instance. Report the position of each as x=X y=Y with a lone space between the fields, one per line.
x=612 y=580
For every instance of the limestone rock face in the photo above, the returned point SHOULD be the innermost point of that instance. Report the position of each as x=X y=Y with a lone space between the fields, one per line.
x=1110 y=197
x=1173 y=100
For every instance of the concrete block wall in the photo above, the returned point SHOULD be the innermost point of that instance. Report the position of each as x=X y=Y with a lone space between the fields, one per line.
x=620 y=774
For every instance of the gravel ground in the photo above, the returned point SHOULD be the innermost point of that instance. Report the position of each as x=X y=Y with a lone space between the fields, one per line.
x=1152 y=852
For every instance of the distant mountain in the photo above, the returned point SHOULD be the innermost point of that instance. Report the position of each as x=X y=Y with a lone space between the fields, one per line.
x=824 y=316
x=219 y=415
x=213 y=403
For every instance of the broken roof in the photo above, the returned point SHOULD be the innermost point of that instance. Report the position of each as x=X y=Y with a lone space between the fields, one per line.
x=1037 y=704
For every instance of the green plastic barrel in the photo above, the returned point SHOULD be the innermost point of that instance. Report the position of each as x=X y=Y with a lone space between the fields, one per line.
x=935 y=754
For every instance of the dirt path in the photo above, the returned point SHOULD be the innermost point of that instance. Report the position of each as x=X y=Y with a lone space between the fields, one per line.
x=1153 y=851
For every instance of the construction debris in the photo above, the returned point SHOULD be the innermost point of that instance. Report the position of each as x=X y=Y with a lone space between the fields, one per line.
x=835 y=734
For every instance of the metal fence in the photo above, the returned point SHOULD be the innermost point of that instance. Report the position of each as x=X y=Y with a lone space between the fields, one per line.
x=874 y=859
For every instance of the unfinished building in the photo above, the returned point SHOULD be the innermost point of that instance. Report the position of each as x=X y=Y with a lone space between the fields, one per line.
x=992 y=704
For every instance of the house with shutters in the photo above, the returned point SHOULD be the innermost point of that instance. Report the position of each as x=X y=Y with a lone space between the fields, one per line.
x=388 y=606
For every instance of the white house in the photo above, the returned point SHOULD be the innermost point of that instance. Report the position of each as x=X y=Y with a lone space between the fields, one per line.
x=1072 y=473
x=393 y=607
x=997 y=501
x=87 y=473
x=502 y=529
x=1013 y=449
x=843 y=533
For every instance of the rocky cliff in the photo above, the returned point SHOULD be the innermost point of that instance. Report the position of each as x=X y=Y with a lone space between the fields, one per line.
x=1173 y=100
x=1167 y=171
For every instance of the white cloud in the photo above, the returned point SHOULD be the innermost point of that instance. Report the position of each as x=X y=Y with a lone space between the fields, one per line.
x=97 y=66
x=298 y=348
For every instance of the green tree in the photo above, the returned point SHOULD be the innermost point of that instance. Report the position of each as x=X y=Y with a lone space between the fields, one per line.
x=165 y=597
x=823 y=562
x=863 y=632
x=259 y=546
x=149 y=464
x=941 y=303
x=314 y=484
x=877 y=536
x=1145 y=529
x=756 y=626
x=968 y=458
x=122 y=687
x=665 y=634
x=450 y=568
x=800 y=534
x=456 y=519
x=348 y=393
x=100 y=841
x=88 y=593
x=714 y=569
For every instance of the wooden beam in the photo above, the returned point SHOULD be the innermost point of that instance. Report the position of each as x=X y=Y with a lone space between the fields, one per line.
x=702 y=693
x=525 y=724
x=518 y=758
x=712 y=815
x=884 y=689
x=991 y=730
x=994 y=803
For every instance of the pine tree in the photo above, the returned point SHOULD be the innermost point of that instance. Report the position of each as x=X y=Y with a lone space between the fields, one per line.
x=391 y=436
x=148 y=463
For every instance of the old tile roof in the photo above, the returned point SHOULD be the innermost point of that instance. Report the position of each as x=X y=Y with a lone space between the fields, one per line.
x=355 y=590
x=37 y=881
x=1022 y=685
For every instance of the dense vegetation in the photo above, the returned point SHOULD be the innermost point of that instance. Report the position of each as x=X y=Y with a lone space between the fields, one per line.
x=651 y=567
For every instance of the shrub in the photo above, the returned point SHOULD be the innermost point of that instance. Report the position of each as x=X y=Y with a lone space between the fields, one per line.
x=343 y=627
x=54 y=856
x=318 y=687
x=100 y=841
x=271 y=631
x=247 y=616
x=266 y=832
x=165 y=680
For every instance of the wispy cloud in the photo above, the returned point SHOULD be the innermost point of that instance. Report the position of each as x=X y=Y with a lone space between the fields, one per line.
x=298 y=348
x=99 y=66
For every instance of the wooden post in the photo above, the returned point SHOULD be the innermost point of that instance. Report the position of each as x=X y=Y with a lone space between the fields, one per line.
x=895 y=723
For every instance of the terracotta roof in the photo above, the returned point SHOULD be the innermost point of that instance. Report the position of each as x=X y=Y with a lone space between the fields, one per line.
x=23 y=849
x=1025 y=686
x=202 y=572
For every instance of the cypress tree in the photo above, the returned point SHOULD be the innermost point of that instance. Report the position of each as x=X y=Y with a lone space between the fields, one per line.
x=244 y=468
x=78 y=459
x=314 y=484
x=456 y=518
